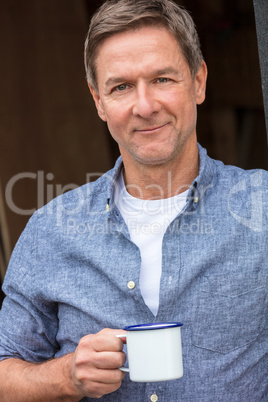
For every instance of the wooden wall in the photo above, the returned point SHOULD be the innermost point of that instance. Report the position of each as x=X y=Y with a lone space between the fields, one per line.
x=48 y=122
x=231 y=121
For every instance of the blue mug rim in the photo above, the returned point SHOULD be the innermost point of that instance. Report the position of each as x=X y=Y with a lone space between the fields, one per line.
x=153 y=326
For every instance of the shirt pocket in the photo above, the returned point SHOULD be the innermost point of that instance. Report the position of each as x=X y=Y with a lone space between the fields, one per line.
x=230 y=311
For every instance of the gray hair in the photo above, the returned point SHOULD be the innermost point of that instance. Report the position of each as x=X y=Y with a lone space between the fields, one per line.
x=115 y=16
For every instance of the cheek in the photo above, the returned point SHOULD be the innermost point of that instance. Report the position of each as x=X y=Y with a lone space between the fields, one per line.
x=185 y=107
x=117 y=119
x=115 y=125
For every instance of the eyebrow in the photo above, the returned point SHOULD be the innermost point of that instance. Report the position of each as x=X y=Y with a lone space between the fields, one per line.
x=167 y=70
x=163 y=71
x=113 y=81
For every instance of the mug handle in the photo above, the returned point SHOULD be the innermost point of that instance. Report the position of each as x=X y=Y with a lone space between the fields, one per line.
x=125 y=369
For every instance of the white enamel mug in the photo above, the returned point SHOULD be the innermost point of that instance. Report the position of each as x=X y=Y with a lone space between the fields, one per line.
x=154 y=351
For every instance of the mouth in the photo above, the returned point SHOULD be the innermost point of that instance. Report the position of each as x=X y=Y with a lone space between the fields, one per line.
x=150 y=129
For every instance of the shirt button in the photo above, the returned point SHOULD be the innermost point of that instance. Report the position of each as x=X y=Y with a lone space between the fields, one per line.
x=154 y=398
x=196 y=200
x=131 y=285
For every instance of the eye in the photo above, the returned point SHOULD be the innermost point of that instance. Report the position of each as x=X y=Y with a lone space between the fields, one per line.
x=120 y=88
x=162 y=80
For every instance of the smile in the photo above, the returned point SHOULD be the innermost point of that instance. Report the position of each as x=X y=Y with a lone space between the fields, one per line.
x=150 y=130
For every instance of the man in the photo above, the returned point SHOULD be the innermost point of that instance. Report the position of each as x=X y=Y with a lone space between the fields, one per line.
x=167 y=235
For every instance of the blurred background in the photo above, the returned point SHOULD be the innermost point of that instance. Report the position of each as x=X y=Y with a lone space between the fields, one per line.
x=51 y=139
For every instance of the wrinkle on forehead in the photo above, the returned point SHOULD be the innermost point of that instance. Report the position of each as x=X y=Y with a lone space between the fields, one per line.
x=124 y=52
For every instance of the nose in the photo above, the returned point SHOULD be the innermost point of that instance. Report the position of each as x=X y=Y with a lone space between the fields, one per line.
x=145 y=103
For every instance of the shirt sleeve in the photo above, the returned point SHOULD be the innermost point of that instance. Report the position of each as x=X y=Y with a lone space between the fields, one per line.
x=28 y=325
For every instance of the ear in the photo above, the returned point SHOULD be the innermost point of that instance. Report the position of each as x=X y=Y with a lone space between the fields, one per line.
x=200 y=83
x=98 y=103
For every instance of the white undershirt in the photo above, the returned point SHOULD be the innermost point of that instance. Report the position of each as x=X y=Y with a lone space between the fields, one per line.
x=147 y=221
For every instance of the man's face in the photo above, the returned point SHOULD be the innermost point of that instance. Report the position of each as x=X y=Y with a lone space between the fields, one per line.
x=147 y=95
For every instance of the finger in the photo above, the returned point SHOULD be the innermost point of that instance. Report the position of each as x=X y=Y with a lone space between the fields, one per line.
x=100 y=376
x=109 y=360
x=108 y=343
x=114 y=332
x=102 y=342
x=112 y=376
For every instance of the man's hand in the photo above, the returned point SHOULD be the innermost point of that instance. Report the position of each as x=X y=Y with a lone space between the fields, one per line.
x=96 y=362
x=92 y=370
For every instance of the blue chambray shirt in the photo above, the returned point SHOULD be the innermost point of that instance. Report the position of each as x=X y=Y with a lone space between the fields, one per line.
x=69 y=272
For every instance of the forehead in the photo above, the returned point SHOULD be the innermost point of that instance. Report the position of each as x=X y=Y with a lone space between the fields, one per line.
x=140 y=47
x=131 y=34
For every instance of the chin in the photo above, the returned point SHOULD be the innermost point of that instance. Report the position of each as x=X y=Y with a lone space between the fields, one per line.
x=153 y=160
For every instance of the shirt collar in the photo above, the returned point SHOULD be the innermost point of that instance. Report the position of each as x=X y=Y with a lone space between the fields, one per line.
x=198 y=186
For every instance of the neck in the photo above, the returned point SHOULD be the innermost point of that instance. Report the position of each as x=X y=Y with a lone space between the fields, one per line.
x=161 y=181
